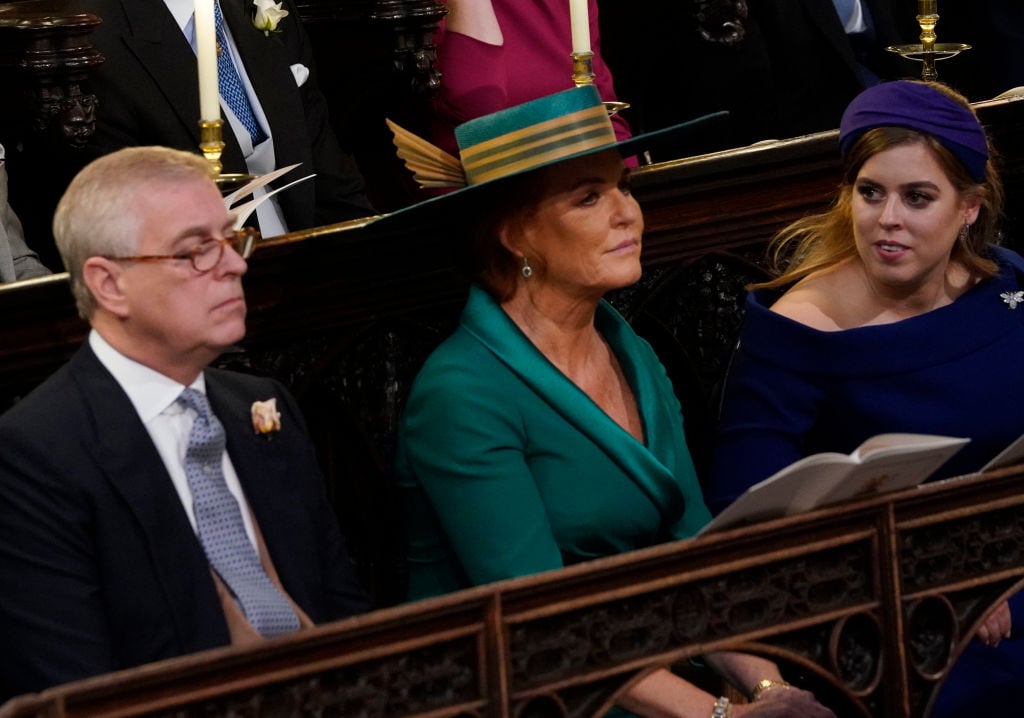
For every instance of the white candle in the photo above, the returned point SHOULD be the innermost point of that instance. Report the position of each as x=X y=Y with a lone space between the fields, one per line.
x=206 y=57
x=579 y=20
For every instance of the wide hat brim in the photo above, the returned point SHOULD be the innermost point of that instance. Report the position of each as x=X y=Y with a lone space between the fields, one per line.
x=447 y=207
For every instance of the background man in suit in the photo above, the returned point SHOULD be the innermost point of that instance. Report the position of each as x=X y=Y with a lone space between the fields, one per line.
x=108 y=557
x=17 y=261
x=781 y=67
x=148 y=94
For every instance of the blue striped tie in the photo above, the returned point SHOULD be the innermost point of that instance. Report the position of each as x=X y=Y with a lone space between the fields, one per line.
x=220 y=526
x=231 y=84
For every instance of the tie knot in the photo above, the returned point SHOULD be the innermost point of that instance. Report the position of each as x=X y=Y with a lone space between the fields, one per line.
x=195 y=400
x=206 y=440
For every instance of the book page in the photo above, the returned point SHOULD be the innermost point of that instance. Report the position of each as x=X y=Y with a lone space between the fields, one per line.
x=1012 y=454
x=902 y=443
x=798 y=487
x=887 y=462
x=885 y=471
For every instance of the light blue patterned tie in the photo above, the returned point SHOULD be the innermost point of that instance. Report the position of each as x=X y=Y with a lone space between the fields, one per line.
x=231 y=84
x=221 y=531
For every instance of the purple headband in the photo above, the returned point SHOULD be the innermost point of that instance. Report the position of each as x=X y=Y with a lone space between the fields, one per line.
x=918 y=107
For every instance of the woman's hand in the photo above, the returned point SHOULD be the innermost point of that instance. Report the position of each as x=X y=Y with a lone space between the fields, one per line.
x=783 y=702
x=995 y=626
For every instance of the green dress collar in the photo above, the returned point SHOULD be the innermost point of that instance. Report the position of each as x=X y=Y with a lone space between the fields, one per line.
x=650 y=466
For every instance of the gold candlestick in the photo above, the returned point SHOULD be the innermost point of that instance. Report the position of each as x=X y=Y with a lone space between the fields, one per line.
x=929 y=51
x=927 y=18
x=211 y=144
x=583 y=68
x=583 y=74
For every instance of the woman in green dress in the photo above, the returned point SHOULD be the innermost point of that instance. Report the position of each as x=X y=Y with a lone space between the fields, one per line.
x=544 y=432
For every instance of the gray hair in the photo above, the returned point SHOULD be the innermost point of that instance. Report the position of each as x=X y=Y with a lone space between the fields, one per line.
x=95 y=216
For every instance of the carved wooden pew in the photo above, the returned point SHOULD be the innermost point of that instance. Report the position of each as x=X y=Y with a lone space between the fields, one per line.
x=869 y=602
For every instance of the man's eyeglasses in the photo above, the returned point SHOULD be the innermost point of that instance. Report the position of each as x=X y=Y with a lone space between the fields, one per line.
x=207 y=254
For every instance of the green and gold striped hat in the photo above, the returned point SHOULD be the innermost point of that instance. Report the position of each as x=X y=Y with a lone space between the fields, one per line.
x=534 y=134
x=526 y=137
x=519 y=139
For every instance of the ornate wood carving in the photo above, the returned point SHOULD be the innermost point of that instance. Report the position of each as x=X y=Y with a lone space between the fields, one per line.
x=47 y=56
x=722 y=22
x=842 y=597
x=410 y=25
x=413 y=23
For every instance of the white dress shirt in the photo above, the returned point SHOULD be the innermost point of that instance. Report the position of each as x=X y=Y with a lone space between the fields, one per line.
x=154 y=397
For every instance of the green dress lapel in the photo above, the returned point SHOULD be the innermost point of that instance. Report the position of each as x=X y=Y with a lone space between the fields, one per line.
x=650 y=466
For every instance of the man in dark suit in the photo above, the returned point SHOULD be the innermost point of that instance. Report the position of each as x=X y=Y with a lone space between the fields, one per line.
x=17 y=261
x=148 y=94
x=818 y=66
x=107 y=558
x=782 y=68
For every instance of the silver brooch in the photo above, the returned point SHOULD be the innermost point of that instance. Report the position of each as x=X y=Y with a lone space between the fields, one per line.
x=1013 y=298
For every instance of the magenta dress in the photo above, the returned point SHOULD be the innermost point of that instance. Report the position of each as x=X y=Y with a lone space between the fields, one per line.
x=479 y=78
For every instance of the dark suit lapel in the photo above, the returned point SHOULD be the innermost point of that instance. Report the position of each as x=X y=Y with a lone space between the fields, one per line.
x=162 y=49
x=267 y=64
x=268 y=69
x=263 y=464
x=254 y=456
x=257 y=459
x=129 y=461
x=823 y=13
x=263 y=55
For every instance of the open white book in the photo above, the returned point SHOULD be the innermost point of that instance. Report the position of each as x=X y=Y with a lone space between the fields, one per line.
x=887 y=462
x=1012 y=454
x=243 y=210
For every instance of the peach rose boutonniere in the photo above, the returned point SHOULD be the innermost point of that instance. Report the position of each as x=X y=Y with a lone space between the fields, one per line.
x=268 y=15
x=266 y=419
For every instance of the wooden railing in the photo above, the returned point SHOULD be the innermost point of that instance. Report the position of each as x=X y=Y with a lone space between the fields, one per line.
x=868 y=603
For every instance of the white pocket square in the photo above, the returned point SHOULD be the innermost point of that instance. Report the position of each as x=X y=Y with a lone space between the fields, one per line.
x=301 y=73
